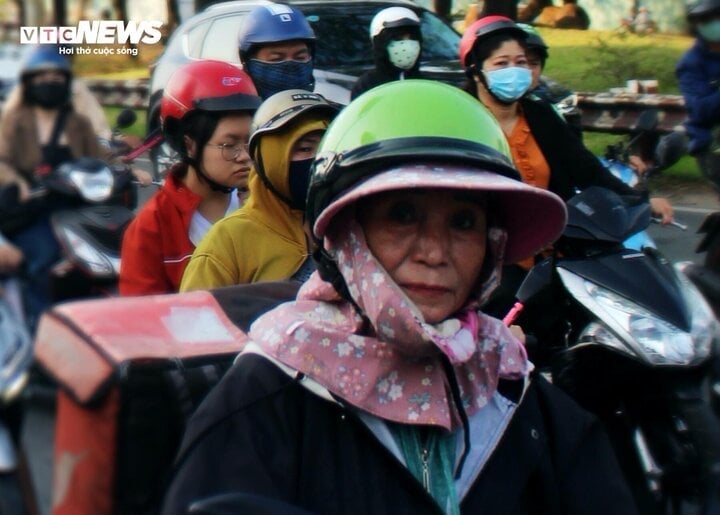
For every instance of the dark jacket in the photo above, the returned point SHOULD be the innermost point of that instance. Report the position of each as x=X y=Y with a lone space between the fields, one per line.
x=375 y=77
x=572 y=165
x=260 y=431
x=698 y=74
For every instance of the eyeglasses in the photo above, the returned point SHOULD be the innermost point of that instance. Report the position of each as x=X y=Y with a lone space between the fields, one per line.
x=230 y=152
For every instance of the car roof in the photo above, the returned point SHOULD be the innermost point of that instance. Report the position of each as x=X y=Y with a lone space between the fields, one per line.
x=234 y=4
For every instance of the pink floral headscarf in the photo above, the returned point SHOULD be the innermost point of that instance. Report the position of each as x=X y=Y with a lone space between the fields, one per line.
x=393 y=371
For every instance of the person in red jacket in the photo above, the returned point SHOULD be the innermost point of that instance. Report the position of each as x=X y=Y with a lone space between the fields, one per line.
x=205 y=112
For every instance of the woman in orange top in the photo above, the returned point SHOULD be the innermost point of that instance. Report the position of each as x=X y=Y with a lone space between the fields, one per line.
x=545 y=150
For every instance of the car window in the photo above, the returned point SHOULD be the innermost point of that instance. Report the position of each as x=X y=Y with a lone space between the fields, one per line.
x=12 y=57
x=440 y=41
x=221 y=41
x=341 y=43
x=192 y=39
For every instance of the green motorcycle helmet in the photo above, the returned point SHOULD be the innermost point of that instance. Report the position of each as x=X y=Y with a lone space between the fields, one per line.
x=399 y=121
x=425 y=134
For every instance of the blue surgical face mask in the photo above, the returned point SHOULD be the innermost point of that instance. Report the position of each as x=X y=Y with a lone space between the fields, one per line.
x=270 y=78
x=508 y=84
x=299 y=180
x=710 y=31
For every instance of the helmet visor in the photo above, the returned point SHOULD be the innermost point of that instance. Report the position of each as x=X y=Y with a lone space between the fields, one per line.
x=236 y=102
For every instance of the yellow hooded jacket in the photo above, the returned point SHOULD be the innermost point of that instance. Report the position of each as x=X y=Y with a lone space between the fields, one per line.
x=264 y=239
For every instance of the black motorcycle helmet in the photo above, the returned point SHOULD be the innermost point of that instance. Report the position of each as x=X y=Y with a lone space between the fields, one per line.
x=702 y=10
x=535 y=42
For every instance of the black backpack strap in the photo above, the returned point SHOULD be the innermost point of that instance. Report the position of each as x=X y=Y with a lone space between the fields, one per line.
x=49 y=149
x=59 y=126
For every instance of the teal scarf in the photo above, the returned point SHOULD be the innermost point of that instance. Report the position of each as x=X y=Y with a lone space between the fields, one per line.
x=430 y=456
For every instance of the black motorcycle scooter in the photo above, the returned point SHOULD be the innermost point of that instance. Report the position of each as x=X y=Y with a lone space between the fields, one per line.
x=634 y=342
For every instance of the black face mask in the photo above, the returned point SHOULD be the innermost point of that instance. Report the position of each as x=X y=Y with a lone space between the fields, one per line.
x=49 y=94
x=299 y=180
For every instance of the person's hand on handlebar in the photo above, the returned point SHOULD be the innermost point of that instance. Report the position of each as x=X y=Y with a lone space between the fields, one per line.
x=638 y=164
x=10 y=257
x=662 y=208
x=142 y=177
x=23 y=190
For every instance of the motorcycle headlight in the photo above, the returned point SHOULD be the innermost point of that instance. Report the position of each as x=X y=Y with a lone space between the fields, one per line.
x=98 y=263
x=94 y=187
x=630 y=328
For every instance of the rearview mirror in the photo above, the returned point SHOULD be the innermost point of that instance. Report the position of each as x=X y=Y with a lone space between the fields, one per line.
x=125 y=119
x=670 y=149
x=538 y=278
x=647 y=120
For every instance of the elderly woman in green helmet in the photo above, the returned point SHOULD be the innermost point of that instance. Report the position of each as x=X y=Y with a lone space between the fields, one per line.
x=265 y=239
x=383 y=388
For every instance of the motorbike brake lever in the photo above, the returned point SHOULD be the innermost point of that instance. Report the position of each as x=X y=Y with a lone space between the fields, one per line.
x=153 y=183
x=39 y=192
x=672 y=222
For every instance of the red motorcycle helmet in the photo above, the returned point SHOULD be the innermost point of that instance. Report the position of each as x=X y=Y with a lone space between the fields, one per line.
x=486 y=26
x=206 y=86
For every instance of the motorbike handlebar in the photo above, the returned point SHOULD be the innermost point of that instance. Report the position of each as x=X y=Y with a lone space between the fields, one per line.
x=154 y=138
x=674 y=223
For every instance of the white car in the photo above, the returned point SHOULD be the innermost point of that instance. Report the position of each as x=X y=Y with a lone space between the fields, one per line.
x=12 y=57
x=343 y=49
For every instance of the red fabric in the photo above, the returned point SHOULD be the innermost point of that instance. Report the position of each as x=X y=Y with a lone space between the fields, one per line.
x=84 y=456
x=156 y=247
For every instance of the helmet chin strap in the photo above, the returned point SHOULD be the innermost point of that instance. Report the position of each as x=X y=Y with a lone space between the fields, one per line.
x=215 y=186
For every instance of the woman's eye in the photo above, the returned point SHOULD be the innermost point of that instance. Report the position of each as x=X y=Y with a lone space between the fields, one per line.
x=402 y=212
x=464 y=220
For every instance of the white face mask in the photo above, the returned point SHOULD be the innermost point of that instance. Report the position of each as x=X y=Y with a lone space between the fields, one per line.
x=403 y=53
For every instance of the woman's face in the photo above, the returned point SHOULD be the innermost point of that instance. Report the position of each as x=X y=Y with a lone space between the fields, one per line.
x=302 y=153
x=226 y=159
x=432 y=243
x=509 y=53
x=535 y=63
x=48 y=76
x=306 y=147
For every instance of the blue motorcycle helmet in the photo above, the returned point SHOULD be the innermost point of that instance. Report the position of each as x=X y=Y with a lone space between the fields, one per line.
x=281 y=25
x=50 y=93
x=273 y=23
x=44 y=58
